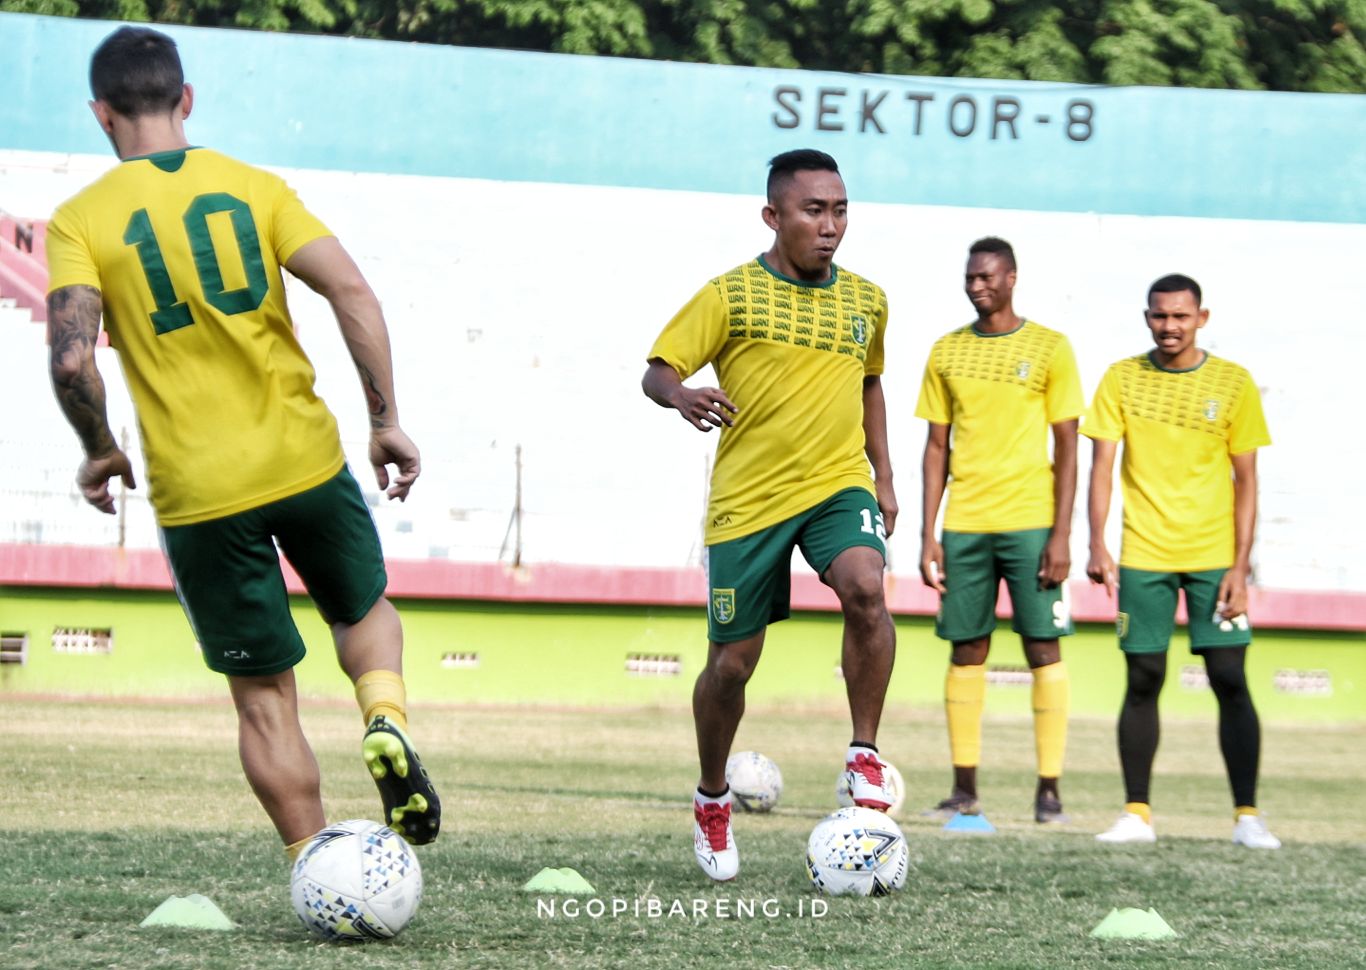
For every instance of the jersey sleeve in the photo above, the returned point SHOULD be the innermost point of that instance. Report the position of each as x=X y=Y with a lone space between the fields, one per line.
x=1247 y=428
x=935 y=405
x=1105 y=419
x=70 y=261
x=292 y=225
x=696 y=334
x=1063 y=399
x=874 y=360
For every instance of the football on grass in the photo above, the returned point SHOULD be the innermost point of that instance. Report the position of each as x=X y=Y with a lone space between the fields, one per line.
x=356 y=881
x=755 y=781
x=857 y=852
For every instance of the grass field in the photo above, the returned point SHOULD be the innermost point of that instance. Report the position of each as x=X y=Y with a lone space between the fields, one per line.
x=108 y=808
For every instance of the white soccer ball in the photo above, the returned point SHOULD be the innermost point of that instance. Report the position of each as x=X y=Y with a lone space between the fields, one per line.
x=857 y=852
x=755 y=781
x=894 y=784
x=356 y=881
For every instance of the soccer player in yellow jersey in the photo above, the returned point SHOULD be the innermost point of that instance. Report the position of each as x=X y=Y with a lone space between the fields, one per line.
x=797 y=343
x=997 y=387
x=1191 y=424
x=180 y=249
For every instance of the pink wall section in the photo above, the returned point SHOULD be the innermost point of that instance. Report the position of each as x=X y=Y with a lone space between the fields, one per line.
x=85 y=567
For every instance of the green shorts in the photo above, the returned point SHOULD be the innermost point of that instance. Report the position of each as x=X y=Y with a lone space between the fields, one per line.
x=974 y=565
x=751 y=577
x=227 y=574
x=1147 y=611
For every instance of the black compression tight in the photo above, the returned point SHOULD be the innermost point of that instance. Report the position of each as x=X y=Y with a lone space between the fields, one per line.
x=1240 y=736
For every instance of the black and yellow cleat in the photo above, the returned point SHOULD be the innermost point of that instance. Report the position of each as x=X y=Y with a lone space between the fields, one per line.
x=411 y=806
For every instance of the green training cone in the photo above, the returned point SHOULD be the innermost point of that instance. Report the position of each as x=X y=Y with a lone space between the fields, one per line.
x=194 y=912
x=1133 y=924
x=558 y=881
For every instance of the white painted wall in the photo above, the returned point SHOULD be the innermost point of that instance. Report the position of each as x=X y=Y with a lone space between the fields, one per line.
x=521 y=314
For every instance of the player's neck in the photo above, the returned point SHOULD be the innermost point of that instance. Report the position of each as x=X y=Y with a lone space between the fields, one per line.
x=1003 y=320
x=148 y=136
x=1186 y=359
x=781 y=264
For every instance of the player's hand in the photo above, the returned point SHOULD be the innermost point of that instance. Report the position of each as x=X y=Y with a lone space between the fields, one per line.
x=1100 y=568
x=1232 y=594
x=886 y=504
x=94 y=474
x=705 y=407
x=1055 y=563
x=390 y=446
x=932 y=565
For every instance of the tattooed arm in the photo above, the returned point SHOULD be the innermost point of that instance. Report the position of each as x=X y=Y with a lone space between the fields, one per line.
x=329 y=270
x=73 y=324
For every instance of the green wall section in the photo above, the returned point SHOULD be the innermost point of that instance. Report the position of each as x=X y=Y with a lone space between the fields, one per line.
x=574 y=655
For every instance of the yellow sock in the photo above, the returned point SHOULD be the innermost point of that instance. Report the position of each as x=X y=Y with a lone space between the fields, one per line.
x=1242 y=810
x=382 y=692
x=1052 y=691
x=1142 y=809
x=294 y=848
x=965 y=691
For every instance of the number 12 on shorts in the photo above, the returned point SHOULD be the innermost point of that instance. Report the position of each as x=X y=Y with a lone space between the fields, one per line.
x=873 y=524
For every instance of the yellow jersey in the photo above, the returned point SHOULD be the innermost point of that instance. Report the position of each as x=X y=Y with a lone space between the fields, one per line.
x=1180 y=429
x=185 y=248
x=792 y=357
x=1000 y=394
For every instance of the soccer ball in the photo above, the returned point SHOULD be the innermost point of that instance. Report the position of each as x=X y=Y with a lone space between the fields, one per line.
x=356 y=881
x=894 y=784
x=857 y=852
x=755 y=781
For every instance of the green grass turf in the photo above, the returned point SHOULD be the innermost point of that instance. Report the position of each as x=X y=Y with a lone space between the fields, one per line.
x=107 y=808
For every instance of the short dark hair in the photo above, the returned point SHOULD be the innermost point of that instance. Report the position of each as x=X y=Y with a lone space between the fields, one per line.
x=783 y=167
x=996 y=247
x=136 y=71
x=1175 y=283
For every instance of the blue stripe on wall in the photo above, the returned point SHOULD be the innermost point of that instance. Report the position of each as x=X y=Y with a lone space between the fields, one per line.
x=353 y=105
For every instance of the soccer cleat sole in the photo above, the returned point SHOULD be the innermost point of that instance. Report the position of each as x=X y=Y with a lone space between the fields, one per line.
x=411 y=805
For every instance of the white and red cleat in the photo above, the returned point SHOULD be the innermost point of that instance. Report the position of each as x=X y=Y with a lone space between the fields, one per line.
x=867 y=781
x=713 y=840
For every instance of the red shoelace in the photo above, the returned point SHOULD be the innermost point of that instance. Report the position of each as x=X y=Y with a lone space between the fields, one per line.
x=714 y=819
x=869 y=767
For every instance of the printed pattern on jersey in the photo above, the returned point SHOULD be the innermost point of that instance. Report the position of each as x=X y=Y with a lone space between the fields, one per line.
x=1021 y=358
x=837 y=319
x=1204 y=399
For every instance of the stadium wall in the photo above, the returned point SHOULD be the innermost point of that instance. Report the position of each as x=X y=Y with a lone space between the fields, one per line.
x=603 y=656
x=530 y=221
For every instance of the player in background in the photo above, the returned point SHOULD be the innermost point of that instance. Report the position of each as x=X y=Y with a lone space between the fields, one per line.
x=797 y=343
x=997 y=387
x=180 y=249
x=1191 y=424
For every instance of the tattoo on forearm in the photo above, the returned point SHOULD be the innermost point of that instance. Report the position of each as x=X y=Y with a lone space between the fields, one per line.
x=374 y=400
x=73 y=325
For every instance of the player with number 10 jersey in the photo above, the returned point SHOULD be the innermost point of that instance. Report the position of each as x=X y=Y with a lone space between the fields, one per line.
x=186 y=247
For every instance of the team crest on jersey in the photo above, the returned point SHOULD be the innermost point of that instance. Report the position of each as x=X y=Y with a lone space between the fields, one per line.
x=858 y=328
x=723 y=605
x=1121 y=625
x=1022 y=370
x=1211 y=410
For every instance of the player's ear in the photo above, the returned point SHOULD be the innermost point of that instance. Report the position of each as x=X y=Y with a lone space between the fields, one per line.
x=1201 y=318
x=770 y=216
x=186 y=102
x=102 y=114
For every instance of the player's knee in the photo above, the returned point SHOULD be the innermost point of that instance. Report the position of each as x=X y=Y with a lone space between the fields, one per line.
x=862 y=598
x=971 y=653
x=1147 y=672
x=731 y=666
x=1042 y=653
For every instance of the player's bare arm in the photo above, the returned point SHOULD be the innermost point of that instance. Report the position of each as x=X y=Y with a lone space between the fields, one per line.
x=1056 y=561
x=702 y=407
x=1233 y=587
x=1100 y=567
x=875 y=446
x=73 y=326
x=934 y=470
x=330 y=271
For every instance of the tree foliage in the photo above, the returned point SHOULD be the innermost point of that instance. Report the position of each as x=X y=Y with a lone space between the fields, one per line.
x=1286 y=45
